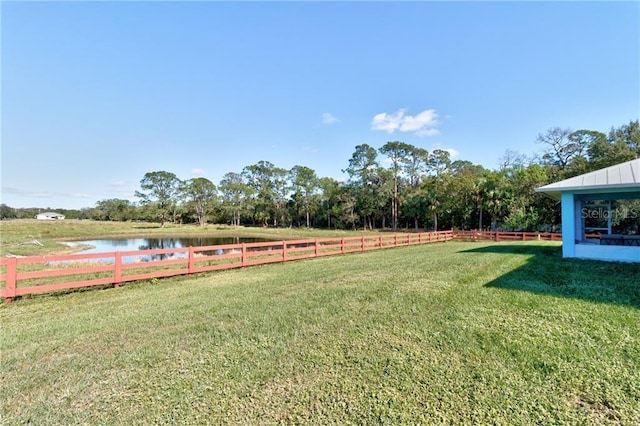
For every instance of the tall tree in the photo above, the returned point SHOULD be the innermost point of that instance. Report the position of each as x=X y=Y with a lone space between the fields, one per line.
x=435 y=190
x=415 y=205
x=260 y=177
x=435 y=186
x=466 y=192
x=305 y=181
x=415 y=169
x=439 y=162
x=159 y=191
x=629 y=134
x=235 y=195
x=620 y=145
x=329 y=198
x=201 y=193
x=347 y=213
x=415 y=165
x=511 y=159
x=398 y=154
x=362 y=175
x=282 y=189
x=496 y=196
x=560 y=147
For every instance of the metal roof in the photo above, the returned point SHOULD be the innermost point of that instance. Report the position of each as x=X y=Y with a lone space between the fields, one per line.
x=623 y=175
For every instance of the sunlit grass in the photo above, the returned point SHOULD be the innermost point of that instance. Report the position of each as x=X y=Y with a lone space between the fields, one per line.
x=455 y=333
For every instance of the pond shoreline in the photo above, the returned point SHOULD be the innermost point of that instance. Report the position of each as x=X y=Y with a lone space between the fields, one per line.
x=107 y=245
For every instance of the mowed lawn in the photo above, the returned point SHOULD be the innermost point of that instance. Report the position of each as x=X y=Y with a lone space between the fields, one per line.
x=471 y=333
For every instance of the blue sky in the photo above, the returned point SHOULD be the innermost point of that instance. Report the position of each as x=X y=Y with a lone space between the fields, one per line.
x=96 y=94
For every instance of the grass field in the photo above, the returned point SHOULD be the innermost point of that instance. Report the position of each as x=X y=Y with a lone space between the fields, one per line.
x=465 y=333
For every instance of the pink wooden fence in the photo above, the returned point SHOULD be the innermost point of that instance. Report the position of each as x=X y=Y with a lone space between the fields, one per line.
x=38 y=274
x=506 y=236
x=512 y=236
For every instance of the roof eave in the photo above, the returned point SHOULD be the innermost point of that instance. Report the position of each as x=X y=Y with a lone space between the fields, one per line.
x=582 y=189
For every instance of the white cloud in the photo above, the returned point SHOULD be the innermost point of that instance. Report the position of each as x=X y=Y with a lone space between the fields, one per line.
x=422 y=124
x=198 y=172
x=328 y=118
x=387 y=122
x=118 y=183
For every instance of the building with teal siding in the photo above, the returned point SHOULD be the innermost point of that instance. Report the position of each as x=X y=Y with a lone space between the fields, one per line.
x=601 y=213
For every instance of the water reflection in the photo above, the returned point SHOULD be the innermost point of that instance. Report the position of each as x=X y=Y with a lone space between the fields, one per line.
x=129 y=244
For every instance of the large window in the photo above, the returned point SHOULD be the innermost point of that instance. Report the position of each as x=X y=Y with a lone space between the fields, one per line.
x=596 y=217
x=615 y=219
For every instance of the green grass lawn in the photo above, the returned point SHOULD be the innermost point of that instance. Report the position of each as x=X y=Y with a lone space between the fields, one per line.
x=474 y=333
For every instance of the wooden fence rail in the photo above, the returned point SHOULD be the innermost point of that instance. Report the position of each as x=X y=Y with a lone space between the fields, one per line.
x=506 y=236
x=38 y=274
x=512 y=236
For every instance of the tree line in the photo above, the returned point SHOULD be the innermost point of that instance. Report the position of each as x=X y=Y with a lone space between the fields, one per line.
x=395 y=186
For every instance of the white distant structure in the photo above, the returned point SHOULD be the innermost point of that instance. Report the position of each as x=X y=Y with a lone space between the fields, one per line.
x=49 y=216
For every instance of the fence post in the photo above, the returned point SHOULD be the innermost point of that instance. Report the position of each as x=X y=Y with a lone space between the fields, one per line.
x=395 y=240
x=341 y=245
x=497 y=236
x=11 y=279
x=284 y=251
x=117 y=272
x=379 y=241
x=243 y=262
x=315 y=249
x=192 y=261
x=362 y=243
x=524 y=237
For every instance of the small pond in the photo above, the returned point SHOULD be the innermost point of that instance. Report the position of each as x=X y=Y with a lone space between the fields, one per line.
x=128 y=244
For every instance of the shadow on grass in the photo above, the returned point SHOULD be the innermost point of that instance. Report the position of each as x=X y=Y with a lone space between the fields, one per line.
x=546 y=272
